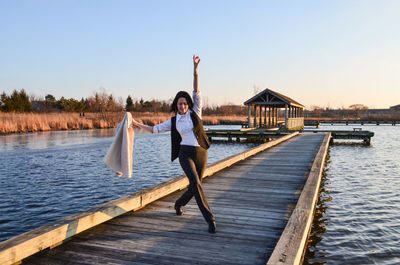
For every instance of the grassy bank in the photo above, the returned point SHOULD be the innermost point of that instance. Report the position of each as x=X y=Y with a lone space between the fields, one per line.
x=35 y=122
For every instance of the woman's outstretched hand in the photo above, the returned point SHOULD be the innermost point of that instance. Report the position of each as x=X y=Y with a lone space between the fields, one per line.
x=140 y=125
x=196 y=61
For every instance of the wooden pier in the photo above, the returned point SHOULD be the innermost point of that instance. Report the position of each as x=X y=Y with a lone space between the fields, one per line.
x=263 y=200
x=355 y=134
x=317 y=122
x=264 y=135
x=251 y=134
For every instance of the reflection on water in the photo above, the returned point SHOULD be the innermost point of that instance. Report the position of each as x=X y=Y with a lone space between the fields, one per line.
x=320 y=221
x=49 y=175
x=50 y=139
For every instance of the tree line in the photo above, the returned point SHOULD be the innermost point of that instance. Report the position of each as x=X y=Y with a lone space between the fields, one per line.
x=100 y=102
x=353 y=111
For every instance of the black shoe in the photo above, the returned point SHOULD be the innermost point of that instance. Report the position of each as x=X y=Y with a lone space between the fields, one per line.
x=178 y=210
x=211 y=227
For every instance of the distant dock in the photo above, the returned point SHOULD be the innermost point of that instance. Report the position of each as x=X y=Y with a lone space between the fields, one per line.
x=355 y=134
x=318 y=122
x=251 y=134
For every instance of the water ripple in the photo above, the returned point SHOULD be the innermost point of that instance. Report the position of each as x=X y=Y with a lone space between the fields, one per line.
x=363 y=215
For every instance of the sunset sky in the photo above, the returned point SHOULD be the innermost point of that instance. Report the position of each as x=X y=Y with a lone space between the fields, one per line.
x=325 y=53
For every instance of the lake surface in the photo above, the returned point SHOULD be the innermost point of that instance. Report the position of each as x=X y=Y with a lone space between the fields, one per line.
x=358 y=217
x=50 y=175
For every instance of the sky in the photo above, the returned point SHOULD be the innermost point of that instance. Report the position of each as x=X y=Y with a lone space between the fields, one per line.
x=319 y=53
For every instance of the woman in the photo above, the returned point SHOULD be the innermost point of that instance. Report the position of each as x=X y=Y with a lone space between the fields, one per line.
x=189 y=143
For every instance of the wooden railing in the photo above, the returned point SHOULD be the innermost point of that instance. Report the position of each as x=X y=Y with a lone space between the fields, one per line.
x=295 y=123
x=292 y=243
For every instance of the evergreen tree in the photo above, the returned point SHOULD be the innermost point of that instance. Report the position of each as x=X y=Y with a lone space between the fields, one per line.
x=4 y=102
x=50 y=102
x=18 y=101
x=129 y=103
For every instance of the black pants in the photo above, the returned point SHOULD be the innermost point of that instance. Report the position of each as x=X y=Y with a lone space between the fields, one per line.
x=193 y=160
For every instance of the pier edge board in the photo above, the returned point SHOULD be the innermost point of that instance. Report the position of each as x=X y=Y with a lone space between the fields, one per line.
x=291 y=245
x=22 y=246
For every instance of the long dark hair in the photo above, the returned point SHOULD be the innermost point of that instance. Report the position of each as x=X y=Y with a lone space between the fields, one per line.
x=181 y=94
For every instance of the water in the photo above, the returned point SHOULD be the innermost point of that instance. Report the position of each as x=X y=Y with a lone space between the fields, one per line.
x=358 y=215
x=50 y=175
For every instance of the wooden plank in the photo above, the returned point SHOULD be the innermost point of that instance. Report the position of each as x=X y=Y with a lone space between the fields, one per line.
x=290 y=247
x=178 y=230
x=191 y=225
x=225 y=222
x=220 y=208
x=173 y=240
x=165 y=256
x=216 y=167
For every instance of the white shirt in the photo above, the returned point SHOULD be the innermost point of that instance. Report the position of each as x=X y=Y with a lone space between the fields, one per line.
x=184 y=123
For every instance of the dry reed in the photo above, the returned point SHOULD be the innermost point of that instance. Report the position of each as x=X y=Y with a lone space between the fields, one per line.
x=34 y=122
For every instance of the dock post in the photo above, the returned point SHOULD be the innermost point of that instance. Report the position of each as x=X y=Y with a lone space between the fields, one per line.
x=248 y=116
x=286 y=116
x=255 y=116
x=269 y=117
x=265 y=116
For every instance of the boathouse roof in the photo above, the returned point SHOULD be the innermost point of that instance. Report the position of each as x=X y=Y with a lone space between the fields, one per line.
x=272 y=98
x=395 y=107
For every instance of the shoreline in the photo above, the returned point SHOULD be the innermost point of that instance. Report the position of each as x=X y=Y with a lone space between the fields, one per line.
x=11 y=123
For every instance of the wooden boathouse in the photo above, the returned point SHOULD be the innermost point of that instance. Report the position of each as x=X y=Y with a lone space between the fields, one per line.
x=271 y=115
x=268 y=105
x=263 y=200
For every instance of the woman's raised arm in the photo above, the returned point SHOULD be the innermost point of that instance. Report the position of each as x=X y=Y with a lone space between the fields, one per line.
x=196 y=61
